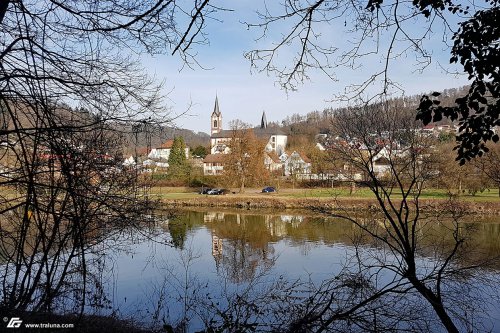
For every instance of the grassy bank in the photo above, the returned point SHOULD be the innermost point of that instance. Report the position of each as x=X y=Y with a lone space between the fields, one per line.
x=321 y=193
x=338 y=198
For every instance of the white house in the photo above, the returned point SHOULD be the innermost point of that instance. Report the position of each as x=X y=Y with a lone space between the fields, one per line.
x=130 y=161
x=272 y=162
x=163 y=151
x=295 y=164
x=384 y=160
x=213 y=164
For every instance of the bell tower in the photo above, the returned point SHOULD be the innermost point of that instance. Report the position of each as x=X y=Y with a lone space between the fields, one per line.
x=216 y=119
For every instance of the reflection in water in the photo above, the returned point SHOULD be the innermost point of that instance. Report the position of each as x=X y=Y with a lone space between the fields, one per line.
x=244 y=245
x=203 y=265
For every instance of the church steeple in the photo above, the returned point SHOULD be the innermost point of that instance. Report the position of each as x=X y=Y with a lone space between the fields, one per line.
x=216 y=118
x=216 y=107
x=263 y=122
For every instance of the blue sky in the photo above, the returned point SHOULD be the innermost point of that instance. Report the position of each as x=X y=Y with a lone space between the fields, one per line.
x=245 y=94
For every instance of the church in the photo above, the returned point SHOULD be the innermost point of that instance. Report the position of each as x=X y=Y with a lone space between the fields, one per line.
x=220 y=138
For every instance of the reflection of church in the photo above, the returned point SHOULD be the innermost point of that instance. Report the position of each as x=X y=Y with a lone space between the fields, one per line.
x=216 y=246
x=242 y=244
x=209 y=217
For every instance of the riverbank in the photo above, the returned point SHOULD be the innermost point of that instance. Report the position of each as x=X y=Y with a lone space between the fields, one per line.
x=308 y=199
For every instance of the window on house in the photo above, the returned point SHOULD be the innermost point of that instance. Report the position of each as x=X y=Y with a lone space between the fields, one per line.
x=215 y=123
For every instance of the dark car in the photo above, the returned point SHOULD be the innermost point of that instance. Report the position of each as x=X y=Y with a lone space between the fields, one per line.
x=217 y=191
x=268 y=189
x=205 y=190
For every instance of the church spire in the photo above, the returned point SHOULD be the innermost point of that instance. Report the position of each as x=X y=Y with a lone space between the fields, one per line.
x=216 y=118
x=263 y=122
x=216 y=107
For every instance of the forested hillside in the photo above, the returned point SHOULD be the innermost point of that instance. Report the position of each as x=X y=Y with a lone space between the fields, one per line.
x=302 y=129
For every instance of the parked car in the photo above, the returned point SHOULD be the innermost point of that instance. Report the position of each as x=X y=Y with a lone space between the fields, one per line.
x=224 y=191
x=268 y=189
x=217 y=191
x=213 y=191
x=205 y=190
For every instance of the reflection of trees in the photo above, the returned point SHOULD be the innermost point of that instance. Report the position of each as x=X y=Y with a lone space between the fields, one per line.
x=241 y=261
x=179 y=226
x=248 y=239
x=260 y=230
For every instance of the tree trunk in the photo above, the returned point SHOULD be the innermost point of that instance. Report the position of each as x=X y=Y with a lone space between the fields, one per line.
x=436 y=303
x=3 y=8
x=242 y=185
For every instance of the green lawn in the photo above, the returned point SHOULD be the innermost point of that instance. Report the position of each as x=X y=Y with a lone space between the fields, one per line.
x=360 y=193
x=173 y=192
x=488 y=195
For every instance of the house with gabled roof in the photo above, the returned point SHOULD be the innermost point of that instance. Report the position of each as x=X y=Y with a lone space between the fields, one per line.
x=295 y=163
x=163 y=151
x=213 y=164
x=272 y=162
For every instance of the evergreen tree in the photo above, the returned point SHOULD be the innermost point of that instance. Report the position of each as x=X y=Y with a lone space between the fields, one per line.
x=178 y=166
x=177 y=152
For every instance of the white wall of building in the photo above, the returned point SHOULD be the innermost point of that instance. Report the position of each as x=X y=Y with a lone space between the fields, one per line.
x=157 y=153
x=277 y=144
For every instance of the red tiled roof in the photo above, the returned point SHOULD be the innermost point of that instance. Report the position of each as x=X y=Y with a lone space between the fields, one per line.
x=142 y=151
x=167 y=144
x=305 y=158
x=274 y=157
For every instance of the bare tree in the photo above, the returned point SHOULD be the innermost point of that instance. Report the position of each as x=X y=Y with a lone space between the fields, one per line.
x=63 y=190
x=67 y=89
x=489 y=164
x=244 y=164
x=386 y=146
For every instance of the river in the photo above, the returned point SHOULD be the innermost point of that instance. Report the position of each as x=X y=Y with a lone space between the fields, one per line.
x=189 y=268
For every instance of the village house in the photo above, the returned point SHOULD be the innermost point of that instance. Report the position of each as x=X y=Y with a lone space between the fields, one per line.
x=272 y=162
x=163 y=151
x=295 y=164
x=213 y=164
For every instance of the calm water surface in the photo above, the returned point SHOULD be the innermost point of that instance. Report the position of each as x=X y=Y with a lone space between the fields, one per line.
x=152 y=275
